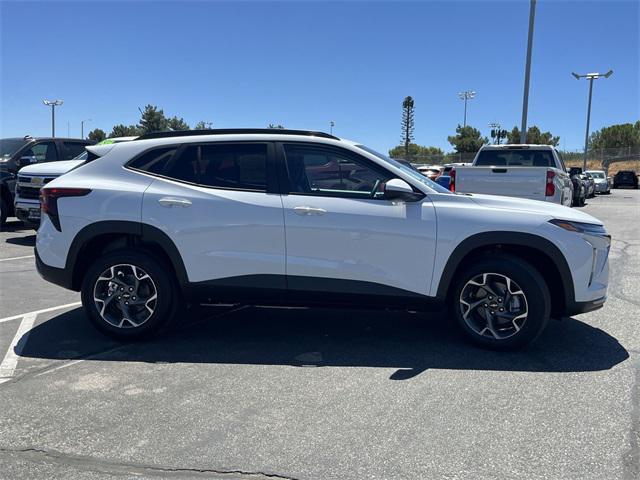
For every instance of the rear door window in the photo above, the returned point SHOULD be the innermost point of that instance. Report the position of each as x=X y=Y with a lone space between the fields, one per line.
x=72 y=149
x=239 y=166
x=43 y=152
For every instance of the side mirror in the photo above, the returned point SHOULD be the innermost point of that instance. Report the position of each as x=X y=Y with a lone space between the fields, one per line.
x=27 y=160
x=397 y=189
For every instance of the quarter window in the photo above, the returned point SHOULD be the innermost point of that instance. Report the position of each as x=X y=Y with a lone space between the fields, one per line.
x=330 y=172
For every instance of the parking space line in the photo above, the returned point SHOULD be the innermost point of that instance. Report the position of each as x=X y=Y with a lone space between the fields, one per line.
x=37 y=312
x=10 y=361
x=16 y=258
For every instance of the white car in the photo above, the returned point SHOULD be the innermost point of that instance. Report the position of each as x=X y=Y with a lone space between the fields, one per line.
x=601 y=181
x=534 y=172
x=296 y=217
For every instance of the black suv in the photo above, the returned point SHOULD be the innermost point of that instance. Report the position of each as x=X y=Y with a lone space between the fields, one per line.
x=625 y=178
x=16 y=153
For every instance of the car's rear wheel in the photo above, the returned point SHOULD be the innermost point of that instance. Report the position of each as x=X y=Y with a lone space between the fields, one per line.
x=129 y=295
x=501 y=302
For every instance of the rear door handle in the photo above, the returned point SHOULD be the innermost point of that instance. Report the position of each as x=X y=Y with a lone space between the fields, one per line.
x=309 y=211
x=174 y=201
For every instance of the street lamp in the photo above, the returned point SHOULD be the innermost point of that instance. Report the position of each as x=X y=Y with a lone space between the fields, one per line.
x=82 y=126
x=591 y=77
x=53 y=104
x=331 y=125
x=467 y=95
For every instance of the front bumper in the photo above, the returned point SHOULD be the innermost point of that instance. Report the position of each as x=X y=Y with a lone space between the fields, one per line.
x=576 y=308
x=602 y=187
x=28 y=212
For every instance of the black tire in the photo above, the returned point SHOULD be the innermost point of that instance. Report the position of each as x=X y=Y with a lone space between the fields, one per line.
x=583 y=200
x=537 y=302
x=4 y=209
x=164 y=308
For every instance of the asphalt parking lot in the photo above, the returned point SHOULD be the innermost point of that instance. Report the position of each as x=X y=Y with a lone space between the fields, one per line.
x=252 y=393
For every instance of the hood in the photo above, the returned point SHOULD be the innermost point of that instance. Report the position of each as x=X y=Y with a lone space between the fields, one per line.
x=600 y=180
x=51 y=168
x=549 y=209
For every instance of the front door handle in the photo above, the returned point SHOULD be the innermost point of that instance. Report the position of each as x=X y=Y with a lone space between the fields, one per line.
x=309 y=211
x=174 y=202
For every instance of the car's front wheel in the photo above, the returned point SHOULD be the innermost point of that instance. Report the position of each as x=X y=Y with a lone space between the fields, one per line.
x=501 y=302
x=128 y=294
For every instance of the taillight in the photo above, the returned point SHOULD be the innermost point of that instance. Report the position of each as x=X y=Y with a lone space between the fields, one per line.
x=550 y=189
x=49 y=200
x=452 y=180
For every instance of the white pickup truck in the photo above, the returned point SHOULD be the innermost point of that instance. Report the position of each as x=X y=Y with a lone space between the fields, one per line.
x=535 y=172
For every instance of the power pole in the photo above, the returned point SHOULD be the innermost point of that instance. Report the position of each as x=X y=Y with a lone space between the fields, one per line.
x=527 y=73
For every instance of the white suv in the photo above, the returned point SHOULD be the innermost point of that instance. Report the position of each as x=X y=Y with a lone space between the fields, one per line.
x=293 y=217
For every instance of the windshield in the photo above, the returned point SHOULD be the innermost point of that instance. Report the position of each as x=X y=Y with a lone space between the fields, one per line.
x=9 y=146
x=596 y=174
x=408 y=170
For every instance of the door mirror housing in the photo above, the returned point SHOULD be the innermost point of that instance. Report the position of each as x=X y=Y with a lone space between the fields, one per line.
x=398 y=189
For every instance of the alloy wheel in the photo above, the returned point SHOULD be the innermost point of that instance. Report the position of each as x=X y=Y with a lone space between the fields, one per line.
x=125 y=296
x=493 y=306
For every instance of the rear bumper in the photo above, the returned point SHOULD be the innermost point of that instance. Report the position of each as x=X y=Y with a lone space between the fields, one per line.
x=58 y=276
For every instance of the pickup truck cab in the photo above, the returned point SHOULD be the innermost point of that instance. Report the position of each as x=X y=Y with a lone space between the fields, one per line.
x=534 y=172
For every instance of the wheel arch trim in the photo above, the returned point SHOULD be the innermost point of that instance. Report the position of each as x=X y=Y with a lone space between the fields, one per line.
x=511 y=239
x=147 y=234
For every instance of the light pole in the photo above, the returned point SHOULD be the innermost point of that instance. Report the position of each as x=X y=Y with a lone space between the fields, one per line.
x=53 y=104
x=82 y=126
x=331 y=125
x=467 y=95
x=591 y=77
x=527 y=73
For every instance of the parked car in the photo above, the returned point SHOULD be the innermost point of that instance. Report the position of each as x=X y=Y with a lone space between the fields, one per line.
x=579 y=193
x=16 y=153
x=444 y=181
x=534 y=172
x=590 y=183
x=625 y=178
x=600 y=179
x=205 y=216
x=32 y=177
x=587 y=181
x=431 y=172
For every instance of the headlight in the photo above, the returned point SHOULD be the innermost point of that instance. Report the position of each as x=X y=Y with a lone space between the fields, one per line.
x=579 y=227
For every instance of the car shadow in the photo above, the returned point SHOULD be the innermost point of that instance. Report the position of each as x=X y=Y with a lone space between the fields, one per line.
x=26 y=241
x=408 y=343
x=14 y=226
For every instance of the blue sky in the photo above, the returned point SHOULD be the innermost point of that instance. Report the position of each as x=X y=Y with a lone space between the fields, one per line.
x=303 y=64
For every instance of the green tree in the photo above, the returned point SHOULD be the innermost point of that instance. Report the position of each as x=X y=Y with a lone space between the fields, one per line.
x=175 y=123
x=124 y=131
x=414 y=151
x=467 y=139
x=407 y=124
x=152 y=120
x=97 y=135
x=274 y=125
x=616 y=136
x=203 y=125
x=534 y=136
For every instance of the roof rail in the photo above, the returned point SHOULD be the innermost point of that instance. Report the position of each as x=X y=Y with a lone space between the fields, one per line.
x=234 y=131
